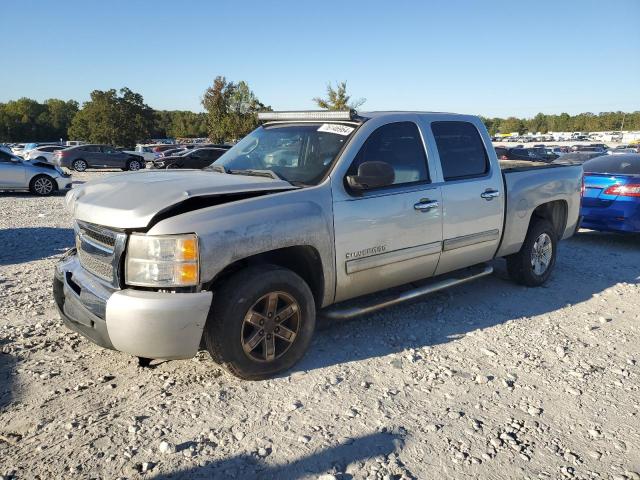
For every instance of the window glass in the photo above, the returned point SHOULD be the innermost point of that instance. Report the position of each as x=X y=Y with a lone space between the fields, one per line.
x=614 y=164
x=462 y=153
x=400 y=145
x=4 y=156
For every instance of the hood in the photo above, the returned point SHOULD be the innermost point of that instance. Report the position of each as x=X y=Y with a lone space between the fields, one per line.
x=133 y=199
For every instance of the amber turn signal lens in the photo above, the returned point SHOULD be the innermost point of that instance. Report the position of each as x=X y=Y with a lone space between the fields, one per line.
x=189 y=249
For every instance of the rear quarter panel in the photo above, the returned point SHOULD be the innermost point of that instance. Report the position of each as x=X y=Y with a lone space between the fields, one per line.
x=528 y=189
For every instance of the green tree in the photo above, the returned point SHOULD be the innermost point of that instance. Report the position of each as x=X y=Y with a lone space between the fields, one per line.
x=512 y=124
x=114 y=119
x=231 y=109
x=337 y=99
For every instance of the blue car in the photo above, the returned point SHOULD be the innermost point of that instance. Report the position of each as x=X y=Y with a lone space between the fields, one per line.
x=611 y=199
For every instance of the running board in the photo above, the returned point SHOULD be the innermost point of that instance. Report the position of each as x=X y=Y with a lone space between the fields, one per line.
x=346 y=312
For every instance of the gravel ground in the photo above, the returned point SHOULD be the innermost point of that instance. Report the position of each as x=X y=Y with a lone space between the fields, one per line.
x=486 y=380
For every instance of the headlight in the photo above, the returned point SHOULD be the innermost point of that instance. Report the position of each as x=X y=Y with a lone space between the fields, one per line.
x=162 y=260
x=159 y=164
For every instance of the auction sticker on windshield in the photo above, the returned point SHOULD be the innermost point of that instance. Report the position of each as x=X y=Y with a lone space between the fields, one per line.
x=335 y=128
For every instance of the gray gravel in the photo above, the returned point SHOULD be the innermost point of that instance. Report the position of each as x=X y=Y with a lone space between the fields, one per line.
x=487 y=380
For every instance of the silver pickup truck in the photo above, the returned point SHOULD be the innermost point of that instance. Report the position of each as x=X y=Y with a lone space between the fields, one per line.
x=311 y=213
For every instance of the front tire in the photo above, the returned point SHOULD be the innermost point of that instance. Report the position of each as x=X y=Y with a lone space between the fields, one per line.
x=42 y=185
x=79 y=165
x=261 y=322
x=533 y=264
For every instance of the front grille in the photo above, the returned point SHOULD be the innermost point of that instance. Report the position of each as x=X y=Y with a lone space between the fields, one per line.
x=99 y=251
x=105 y=239
x=95 y=266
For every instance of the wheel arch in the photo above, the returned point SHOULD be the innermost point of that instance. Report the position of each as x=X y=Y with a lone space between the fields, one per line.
x=304 y=260
x=556 y=212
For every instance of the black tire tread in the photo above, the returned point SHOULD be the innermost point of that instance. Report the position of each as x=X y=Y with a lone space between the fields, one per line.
x=223 y=302
x=518 y=264
x=33 y=180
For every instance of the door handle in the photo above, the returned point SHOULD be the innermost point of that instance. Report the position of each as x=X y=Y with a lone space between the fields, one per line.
x=489 y=195
x=425 y=205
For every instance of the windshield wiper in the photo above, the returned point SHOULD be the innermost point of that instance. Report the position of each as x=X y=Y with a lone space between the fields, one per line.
x=258 y=173
x=217 y=168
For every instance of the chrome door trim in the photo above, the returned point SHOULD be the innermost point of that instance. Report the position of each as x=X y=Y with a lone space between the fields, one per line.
x=382 y=259
x=466 y=240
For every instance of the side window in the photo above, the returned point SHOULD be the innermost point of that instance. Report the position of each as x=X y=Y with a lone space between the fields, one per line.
x=400 y=145
x=4 y=157
x=462 y=153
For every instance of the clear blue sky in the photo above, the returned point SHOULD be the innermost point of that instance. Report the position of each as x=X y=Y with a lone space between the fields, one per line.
x=494 y=58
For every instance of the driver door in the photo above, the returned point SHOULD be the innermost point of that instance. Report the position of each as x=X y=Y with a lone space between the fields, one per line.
x=12 y=172
x=392 y=235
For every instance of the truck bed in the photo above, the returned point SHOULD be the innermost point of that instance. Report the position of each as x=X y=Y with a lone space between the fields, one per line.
x=528 y=184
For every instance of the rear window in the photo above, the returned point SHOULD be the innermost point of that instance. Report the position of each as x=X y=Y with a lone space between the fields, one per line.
x=615 y=164
x=462 y=153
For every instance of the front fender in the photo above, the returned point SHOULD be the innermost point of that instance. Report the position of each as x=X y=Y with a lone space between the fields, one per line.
x=242 y=228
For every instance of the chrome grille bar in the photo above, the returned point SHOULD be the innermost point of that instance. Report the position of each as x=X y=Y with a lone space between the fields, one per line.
x=100 y=250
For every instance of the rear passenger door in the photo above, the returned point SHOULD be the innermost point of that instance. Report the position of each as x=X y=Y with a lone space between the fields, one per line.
x=472 y=195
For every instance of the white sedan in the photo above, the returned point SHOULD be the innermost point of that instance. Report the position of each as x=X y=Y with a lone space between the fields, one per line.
x=43 y=153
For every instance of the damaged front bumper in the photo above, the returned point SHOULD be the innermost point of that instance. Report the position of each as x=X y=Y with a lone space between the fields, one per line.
x=160 y=325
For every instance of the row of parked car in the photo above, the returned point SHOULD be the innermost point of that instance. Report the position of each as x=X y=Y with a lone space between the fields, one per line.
x=84 y=156
x=557 y=154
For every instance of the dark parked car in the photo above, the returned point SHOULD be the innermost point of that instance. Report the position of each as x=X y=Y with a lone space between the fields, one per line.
x=196 y=158
x=530 y=154
x=96 y=156
x=574 y=158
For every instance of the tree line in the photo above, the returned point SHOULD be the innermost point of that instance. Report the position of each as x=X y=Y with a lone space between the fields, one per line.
x=121 y=117
x=583 y=122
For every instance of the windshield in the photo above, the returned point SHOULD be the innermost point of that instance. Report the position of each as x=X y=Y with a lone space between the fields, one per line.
x=298 y=153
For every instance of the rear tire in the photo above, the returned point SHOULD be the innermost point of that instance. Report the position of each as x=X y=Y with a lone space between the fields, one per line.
x=533 y=264
x=42 y=185
x=79 y=165
x=261 y=322
x=134 y=165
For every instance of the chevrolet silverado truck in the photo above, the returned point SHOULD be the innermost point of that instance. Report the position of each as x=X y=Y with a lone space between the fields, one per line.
x=329 y=213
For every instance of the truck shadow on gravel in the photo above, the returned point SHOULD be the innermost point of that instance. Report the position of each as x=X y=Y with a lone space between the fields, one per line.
x=333 y=458
x=22 y=245
x=587 y=264
x=7 y=366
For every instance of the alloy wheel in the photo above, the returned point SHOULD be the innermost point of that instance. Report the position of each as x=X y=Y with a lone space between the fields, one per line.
x=270 y=326
x=541 y=254
x=43 y=186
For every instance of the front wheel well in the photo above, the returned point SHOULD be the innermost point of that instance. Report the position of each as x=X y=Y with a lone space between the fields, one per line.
x=555 y=212
x=304 y=260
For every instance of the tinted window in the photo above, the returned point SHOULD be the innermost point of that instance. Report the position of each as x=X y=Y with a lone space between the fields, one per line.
x=90 y=148
x=462 y=153
x=616 y=164
x=4 y=156
x=399 y=145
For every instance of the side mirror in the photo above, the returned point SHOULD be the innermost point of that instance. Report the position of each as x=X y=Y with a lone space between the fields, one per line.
x=372 y=175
